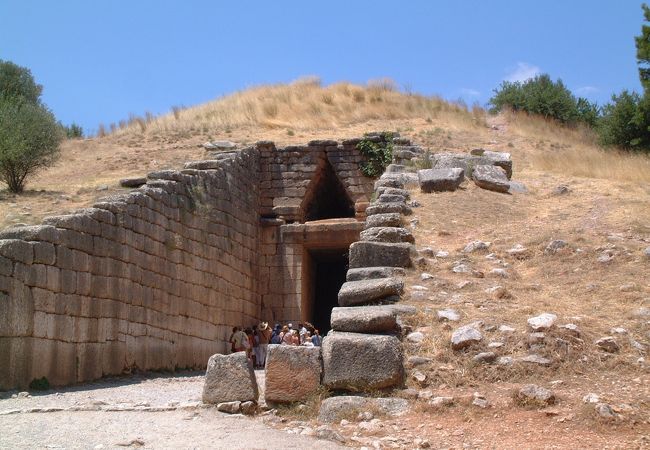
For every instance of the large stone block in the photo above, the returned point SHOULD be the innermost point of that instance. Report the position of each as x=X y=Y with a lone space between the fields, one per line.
x=361 y=362
x=374 y=254
x=229 y=378
x=292 y=374
x=438 y=180
x=365 y=319
x=387 y=234
x=371 y=273
x=386 y=208
x=492 y=178
x=368 y=291
x=384 y=220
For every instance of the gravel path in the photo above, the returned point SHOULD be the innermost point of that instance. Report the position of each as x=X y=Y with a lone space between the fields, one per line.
x=144 y=412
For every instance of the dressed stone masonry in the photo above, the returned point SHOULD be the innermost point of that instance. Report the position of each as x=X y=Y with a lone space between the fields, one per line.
x=156 y=278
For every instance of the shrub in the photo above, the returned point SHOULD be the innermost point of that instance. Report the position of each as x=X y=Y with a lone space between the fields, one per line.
x=73 y=130
x=625 y=122
x=541 y=95
x=17 y=83
x=378 y=153
x=29 y=141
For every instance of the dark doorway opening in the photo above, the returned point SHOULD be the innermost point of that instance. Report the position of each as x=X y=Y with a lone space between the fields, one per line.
x=327 y=198
x=328 y=269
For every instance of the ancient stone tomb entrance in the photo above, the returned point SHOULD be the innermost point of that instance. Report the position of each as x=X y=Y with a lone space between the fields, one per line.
x=327 y=198
x=325 y=271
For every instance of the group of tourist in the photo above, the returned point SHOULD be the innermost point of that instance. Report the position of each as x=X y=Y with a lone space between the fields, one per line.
x=255 y=340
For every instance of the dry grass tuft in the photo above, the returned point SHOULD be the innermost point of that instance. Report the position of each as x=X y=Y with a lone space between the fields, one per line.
x=302 y=105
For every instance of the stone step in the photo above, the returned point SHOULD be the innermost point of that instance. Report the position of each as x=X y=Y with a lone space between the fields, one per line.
x=372 y=273
x=361 y=362
x=368 y=291
x=384 y=220
x=365 y=319
x=394 y=191
x=374 y=254
x=387 y=234
x=391 y=198
x=383 y=208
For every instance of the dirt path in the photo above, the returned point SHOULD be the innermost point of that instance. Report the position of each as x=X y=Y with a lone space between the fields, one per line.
x=161 y=412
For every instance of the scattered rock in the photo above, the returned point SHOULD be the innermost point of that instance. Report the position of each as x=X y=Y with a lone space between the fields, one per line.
x=618 y=330
x=500 y=273
x=506 y=329
x=571 y=329
x=495 y=344
x=426 y=276
x=492 y=178
x=562 y=189
x=419 y=376
x=442 y=254
x=505 y=361
x=329 y=435
x=517 y=187
x=461 y=268
x=497 y=292
x=536 y=359
x=438 y=180
x=415 y=338
x=219 y=145
x=536 y=338
x=465 y=336
x=448 y=314
x=485 y=358
x=605 y=411
x=608 y=344
x=439 y=402
x=542 y=322
x=531 y=394
x=605 y=258
x=415 y=361
x=646 y=252
x=480 y=400
x=628 y=287
x=229 y=378
x=554 y=246
x=229 y=407
x=476 y=246
x=591 y=398
x=248 y=408
x=334 y=408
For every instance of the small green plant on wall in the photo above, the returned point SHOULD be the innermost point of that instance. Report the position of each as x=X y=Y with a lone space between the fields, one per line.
x=378 y=154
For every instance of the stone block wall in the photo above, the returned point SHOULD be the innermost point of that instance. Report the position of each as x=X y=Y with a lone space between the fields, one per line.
x=152 y=279
x=157 y=277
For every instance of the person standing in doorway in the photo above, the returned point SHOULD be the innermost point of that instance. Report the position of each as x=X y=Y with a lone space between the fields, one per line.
x=264 y=333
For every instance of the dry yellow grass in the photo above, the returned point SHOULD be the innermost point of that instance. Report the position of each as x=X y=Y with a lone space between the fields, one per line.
x=302 y=105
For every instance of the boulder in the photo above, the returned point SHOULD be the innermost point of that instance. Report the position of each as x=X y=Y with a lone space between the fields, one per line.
x=365 y=319
x=368 y=291
x=301 y=364
x=384 y=208
x=371 y=273
x=468 y=162
x=492 y=178
x=229 y=378
x=361 y=362
x=465 y=336
x=438 y=180
x=384 y=220
x=334 y=409
x=476 y=246
x=229 y=407
x=373 y=254
x=501 y=159
x=387 y=234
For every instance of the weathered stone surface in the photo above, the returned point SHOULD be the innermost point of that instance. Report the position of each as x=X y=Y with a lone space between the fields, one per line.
x=465 y=336
x=365 y=319
x=133 y=182
x=448 y=314
x=531 y=394
x=385 y=208
x=229 y=407
x=371 y=273
x=391 y=198
x=219 y=145
x=361 y=362
x=554 y=246
x=394 y=191
x=229 y=378
x=608 y=344
x=536 y=359
x=387 y=234
x=334 y=409
x=492 y=178
x=384 y=220
x=373 y=254
x=368 y=291
x=468 y=162
x=542 y=322
x=304 y=366
x=439 y=180
x=476 y=246
x=485 y=357
x=501 y=159
x=404 y=180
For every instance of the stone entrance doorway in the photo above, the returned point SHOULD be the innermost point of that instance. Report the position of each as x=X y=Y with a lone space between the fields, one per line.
x=328 y=268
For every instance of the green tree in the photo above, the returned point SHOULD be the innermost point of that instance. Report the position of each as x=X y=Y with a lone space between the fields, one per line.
x=643 y=50
x=18 y=83
x=625 y=122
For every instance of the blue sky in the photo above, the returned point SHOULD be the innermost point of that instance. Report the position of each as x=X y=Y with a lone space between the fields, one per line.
x=99 y=61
